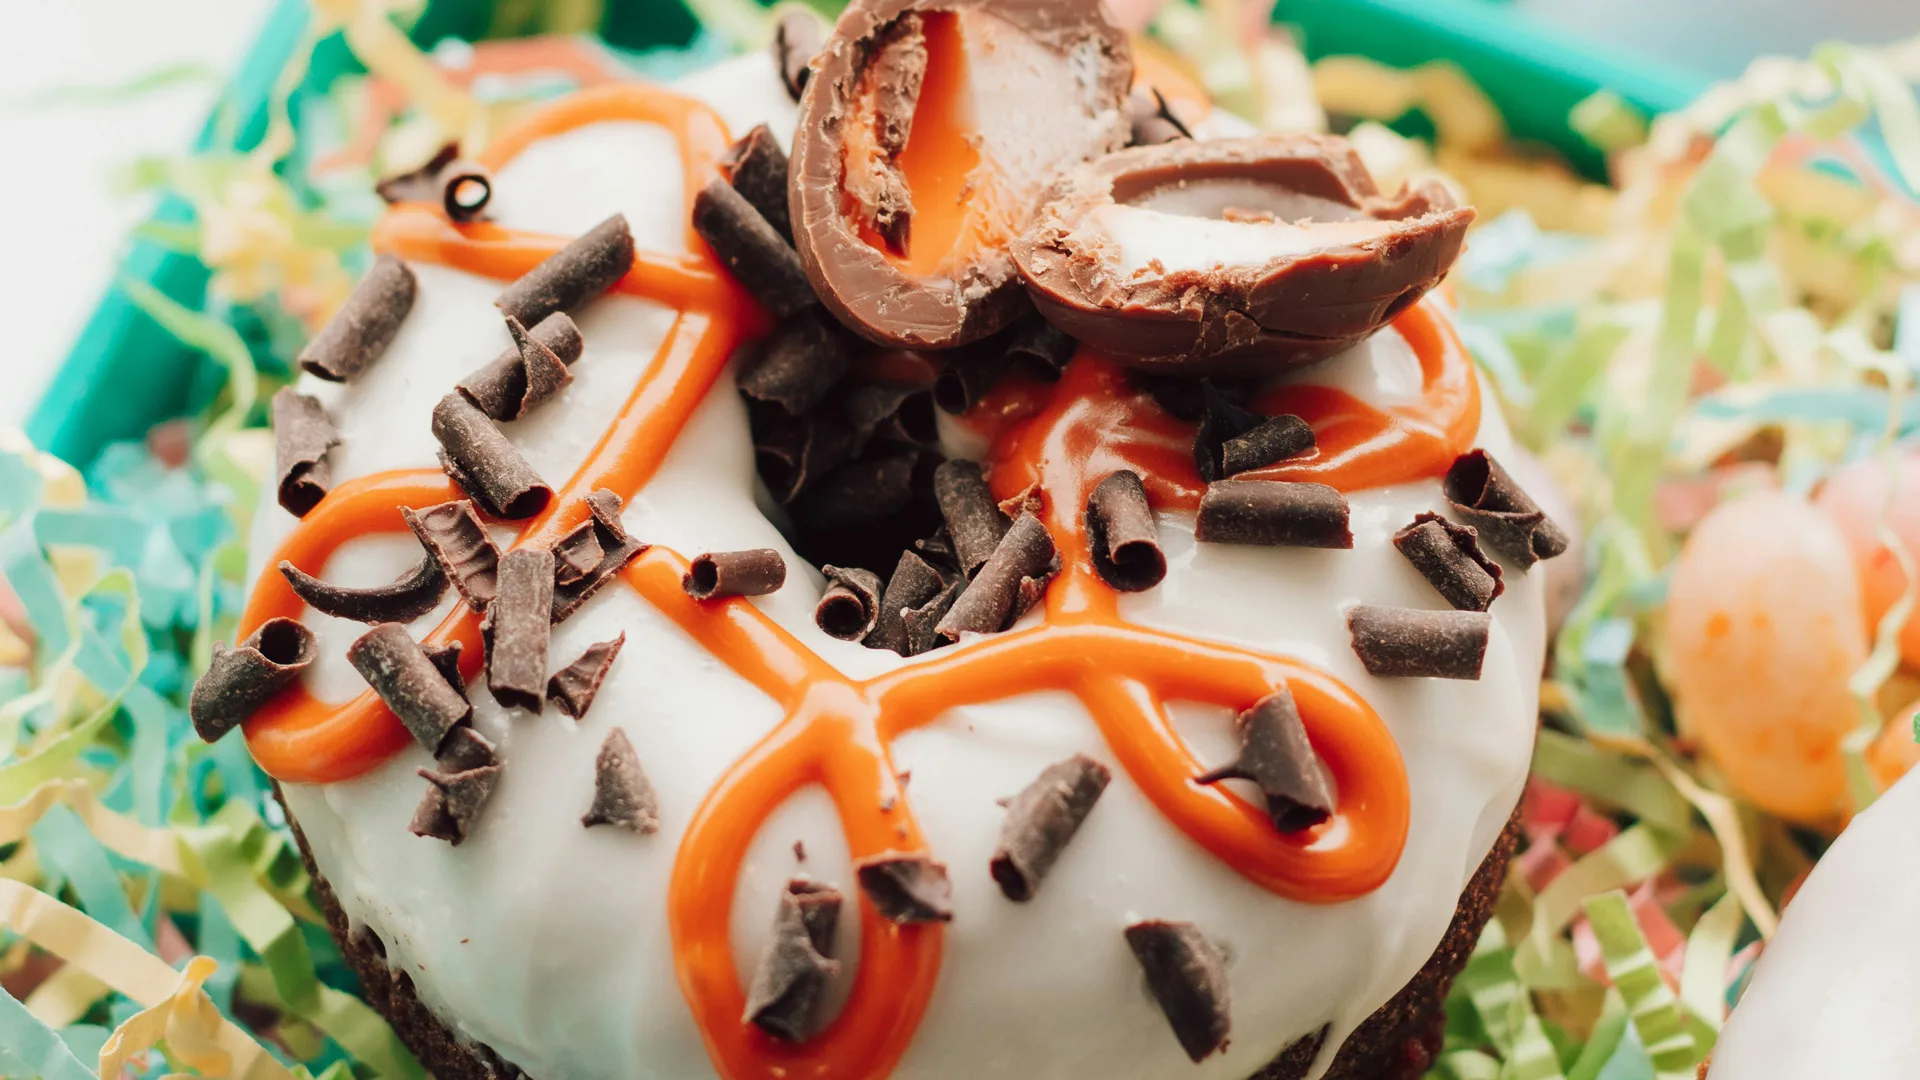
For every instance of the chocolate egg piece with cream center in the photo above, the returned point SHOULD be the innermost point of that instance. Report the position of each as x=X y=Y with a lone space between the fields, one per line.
x=1234 y=256
x=927 y=135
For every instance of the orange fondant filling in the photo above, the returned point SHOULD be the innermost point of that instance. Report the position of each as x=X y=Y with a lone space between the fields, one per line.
x=838 y=731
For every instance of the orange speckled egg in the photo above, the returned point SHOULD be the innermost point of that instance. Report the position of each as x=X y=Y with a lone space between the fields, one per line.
x=1764 y=628
x=1855 y=499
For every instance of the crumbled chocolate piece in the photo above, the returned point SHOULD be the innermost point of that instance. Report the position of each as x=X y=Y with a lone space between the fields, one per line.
x=410 y=683
x=1449 y=557
x=446 y=660
x=865 y=490
x=585 y=268
x=517 y=627
x=1042 y=819
x=577 y=554
x=1041 y=349
x=302 y=436
x=1276 y=755
x=410 y=596
x=1507 y=520
x=792 y=453
x=453 y=802
x=466 y=748
x=851 y=605
x=359 y=333
x=622 y=794
x=1221 y=419
x=619 y=548
x=529 y=374
x=798 y=363
x=481 y=460
x=1186 y=399
x=1122 y=535
x=241 y=679
x=790 y=982
x=1273 y=513
x=1153 y=122
x=452 y=533
x=757 y=169
x=797 y=39
x=1008 y=584
x=752 y=249
x=906 y=889
x=573 y=687
x=968 y=374
x=914 y=587
x=462 y=188
x=1409 y=643
x=974 y=522
x=1275 y=438
x=1188 y=977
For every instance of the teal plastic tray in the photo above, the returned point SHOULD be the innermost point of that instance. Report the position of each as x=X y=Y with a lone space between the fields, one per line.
x=126 y=373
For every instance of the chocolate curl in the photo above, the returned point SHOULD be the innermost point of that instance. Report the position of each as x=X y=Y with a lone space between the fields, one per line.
x=974 y=521
x=453 y=802
x=797 y=39
x=1449 y=557
x=530 y=373
x=412 y=595
x=619 y=549
x=922 y=624
x=1042 y=819
x=359 y=333
x=798 y=363
x=969 y=373
x=577 y=554
x=1409 y=643
x=410 y=683
x=573 y=687
x=1041 y=348
x=1188 y=977
x=517 y=627
x=302 y=435
x=1186 y=399
x=452 y=533
x=465 y=748
x=1275 y=438
x=906 y=889
x=585 y=268
x=1153 y=121
x=1509 y=522
x=790 y=982
x=481 y=460
x=1221 y=419
x=446 y=660
x=1276 y=755
x=1010 y=582
x=757 y=169
x=1122 y=535
x=914 y=587
x=1273 y=513
x=462 y=188
x=851 y=607
x=866 y=490
x=753 y=250
x=893 y=411
x=792 y=453
x=622 y=794
x=241 y=679
x=720 y=574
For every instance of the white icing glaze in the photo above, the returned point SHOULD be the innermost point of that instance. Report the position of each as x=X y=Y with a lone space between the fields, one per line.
x=549 y=941
x=1836 y=990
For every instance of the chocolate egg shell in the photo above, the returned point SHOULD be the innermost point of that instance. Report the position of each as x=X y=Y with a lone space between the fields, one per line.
x=1045 y=83
x=1234 y=256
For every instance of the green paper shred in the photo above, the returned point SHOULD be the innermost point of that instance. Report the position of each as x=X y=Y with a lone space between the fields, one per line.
x=38 y=1049
x=1651 y=1005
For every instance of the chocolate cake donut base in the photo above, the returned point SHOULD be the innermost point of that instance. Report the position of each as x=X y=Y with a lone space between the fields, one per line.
x=1398 y=1042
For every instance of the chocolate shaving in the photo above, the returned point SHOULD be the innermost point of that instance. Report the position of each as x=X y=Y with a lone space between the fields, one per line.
x=974 y=521
x=1186 y=399
x=1273 y=513
x=1221 y=419
x=1449 y=557
x=968 y=374
x=462 y=188
x=1275 y=438
x=790 y=982
x=446 y=660
x=1410 y=643
x=453 y=802
x=895 y=411
x=481 y=460
x=1508 y=521
x=1122 y=535
x=412 y=595
x=1188 y=977
x=359 y=333
x=798 y=363
x=1153 y=121
x=451 y=532
x=757 y=169
x=302 y=435
x=621 y=793
x=906 y=889
x=755 y=252
x=914 y=587
x=465 y=748
x=573 y=687
x=851 y=606
x=577 y=554
x=922 y=624
x=1276 y=755
x=1010 y=582
x=792 y=453
x=240 y=679
x=410 y=683
x=1042 y=819
x=530 y=373
x=619 y=549
x=720 y=574
x=861 y=491
x=585 y=268
x=797 y=39
x=517 y=627
x=1041 y=348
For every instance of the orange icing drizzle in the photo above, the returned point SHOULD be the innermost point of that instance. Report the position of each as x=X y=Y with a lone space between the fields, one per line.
x=837 y=732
